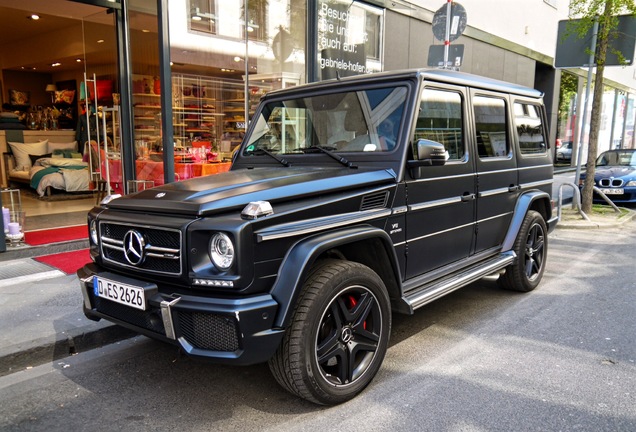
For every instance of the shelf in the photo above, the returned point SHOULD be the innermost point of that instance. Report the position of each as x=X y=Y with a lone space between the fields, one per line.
x=146 y=95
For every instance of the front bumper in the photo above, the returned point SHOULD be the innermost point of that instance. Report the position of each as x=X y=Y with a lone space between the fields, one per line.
x=225 y=330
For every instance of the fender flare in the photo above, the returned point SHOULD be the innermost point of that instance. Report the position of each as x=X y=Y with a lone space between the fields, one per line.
x=302 y=255
x=521 y=209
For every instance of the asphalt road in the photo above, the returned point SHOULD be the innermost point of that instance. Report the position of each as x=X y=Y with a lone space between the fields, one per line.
x=562 y=358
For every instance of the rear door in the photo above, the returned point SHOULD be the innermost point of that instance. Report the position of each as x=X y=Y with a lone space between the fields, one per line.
x=496 y=162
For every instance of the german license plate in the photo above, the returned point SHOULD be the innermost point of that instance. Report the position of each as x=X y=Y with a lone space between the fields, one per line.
x=128 y=295
x=613 y=191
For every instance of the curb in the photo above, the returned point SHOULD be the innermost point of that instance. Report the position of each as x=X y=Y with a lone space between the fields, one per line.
x=37 y=352
x=47 y=249
x=583 y=224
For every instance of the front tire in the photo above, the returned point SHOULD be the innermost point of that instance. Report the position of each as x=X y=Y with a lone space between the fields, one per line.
x=338 y=336
x=531 y=247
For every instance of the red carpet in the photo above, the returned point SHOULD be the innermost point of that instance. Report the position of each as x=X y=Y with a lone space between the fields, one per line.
x=55 y=235
x=68 y=262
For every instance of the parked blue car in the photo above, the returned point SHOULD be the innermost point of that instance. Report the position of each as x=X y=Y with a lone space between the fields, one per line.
x=615 y=175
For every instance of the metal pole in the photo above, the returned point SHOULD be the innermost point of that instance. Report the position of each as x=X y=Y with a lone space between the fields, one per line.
x=311 y=44
x=447 y=37
x=3 y=242
x=246 y=102
x=167 y=129
x=587 y=99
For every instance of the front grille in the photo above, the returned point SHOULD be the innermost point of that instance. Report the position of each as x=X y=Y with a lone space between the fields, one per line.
x=149 y=320
x=611 y=182
x=209 y=331
x=162 y=251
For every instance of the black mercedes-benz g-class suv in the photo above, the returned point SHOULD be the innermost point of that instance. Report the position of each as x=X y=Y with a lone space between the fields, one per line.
x=349 y=200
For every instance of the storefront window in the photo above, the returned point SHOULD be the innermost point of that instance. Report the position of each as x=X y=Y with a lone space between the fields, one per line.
x=628 y=140
x=224 y=56
x=607 y=119
x=619 y=119
x=349 y=38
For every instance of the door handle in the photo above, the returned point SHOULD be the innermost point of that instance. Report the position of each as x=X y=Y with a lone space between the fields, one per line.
x=468 y=197
x=514 y=188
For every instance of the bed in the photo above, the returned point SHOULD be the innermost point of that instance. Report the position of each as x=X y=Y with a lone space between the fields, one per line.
x=45 y=165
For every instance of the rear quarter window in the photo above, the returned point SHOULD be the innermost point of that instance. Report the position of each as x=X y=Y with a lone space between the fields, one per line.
x=530 y=129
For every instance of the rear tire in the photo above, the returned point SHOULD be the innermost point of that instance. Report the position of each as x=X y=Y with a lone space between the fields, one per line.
x=531 y=247
x=338 y=336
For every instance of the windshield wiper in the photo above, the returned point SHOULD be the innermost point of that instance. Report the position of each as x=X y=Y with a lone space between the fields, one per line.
x=262 y=150
x=327 y=151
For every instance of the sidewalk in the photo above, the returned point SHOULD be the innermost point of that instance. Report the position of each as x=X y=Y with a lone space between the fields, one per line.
x=41 y=311
x=41 y=307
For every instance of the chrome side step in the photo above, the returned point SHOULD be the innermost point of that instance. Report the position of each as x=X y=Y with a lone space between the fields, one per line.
x=440 y=288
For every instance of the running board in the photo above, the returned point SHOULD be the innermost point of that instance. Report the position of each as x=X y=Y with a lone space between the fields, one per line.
x=444 y=286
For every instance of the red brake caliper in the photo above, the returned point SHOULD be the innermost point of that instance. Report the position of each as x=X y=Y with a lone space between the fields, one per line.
x=353 y=302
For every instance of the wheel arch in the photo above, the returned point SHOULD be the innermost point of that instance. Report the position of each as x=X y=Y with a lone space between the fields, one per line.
x=533 y=200
x=364 y=244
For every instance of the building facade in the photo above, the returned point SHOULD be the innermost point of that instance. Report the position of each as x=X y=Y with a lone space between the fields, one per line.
x=172 y=83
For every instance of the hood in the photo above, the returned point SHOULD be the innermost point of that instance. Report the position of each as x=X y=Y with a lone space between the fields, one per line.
x=614 y=171
x=234 y=189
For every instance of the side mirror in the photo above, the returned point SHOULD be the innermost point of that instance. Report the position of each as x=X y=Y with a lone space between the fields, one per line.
x=432 y=151
x=429 y=153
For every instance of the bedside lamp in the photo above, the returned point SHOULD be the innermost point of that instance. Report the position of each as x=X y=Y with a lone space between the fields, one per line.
x=51 y=88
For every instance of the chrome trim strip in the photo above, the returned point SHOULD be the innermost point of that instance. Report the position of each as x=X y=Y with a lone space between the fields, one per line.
x=166 y=317
x=319 y=224
x=436 y=203
x=152 y=251
x=441 y=232
x=472 y=174
x=112 y=241
x=495 y=217
x=162 y=256
x=536 y=184
x=535 y=167
x=497 y=171
x=494 y=192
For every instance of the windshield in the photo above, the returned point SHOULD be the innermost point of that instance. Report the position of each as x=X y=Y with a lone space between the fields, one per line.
x=617 y=158
x=355 y=121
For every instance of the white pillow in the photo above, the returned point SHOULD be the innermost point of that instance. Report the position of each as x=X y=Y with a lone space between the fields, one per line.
x=62 y=146
x=21 y=152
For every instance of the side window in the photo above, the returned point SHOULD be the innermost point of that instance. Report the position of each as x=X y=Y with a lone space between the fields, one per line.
x=440 y=119
x=490 y=126
x=529 y=128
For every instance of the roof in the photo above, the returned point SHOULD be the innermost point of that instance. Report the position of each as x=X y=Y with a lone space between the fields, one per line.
x=438 y=75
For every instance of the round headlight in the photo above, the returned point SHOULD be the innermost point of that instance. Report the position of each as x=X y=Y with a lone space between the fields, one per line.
x=221 y=251
x=93 y=231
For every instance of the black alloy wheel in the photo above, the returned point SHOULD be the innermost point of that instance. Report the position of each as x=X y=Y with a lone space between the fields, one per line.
x=338 y=336
x=531 y=247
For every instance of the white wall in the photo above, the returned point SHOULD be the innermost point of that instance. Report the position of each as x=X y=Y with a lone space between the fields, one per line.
x=529 y=23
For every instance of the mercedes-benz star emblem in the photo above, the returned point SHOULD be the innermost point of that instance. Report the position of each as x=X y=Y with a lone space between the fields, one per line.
x=134 y=246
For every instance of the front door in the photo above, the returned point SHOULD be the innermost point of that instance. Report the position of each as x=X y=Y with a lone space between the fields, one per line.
x=441 y=201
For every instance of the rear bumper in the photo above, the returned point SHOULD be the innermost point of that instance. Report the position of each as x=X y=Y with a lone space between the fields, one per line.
x=225 y=330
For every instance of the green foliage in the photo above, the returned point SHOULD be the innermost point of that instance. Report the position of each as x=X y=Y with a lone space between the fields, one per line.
x=606 y=12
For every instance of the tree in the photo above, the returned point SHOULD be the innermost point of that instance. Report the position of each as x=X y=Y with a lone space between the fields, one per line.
x=606 y=12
